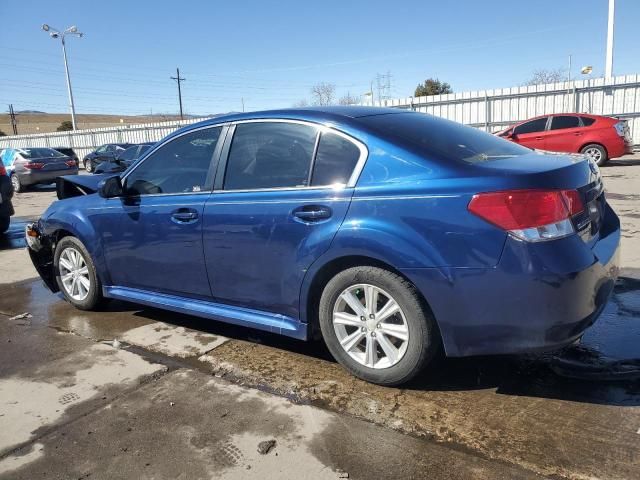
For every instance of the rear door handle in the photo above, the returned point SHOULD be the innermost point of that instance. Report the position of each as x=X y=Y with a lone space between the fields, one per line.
x=312 y=213
x=184 y=215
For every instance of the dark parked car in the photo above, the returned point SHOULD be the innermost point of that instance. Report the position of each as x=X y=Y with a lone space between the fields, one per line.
x=390 y=234
x=103 y=153
x=6 y=194
x=31 y=166
x=69 y=152
x=124 y=159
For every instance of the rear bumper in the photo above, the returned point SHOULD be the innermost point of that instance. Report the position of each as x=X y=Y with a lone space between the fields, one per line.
x=32 y=177
x=541 y=296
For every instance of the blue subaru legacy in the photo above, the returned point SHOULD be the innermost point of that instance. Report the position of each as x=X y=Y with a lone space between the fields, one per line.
x=390 y=234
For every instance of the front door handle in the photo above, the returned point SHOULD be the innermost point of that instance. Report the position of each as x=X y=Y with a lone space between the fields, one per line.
x=312 y=213
x=538 y=138
x=184 y=215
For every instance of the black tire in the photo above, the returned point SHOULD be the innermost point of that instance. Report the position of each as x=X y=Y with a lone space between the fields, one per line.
x=4 y=223
x=94 y=298
x=603 y=156
x=16 y=184
x=423 y=338
x=88 y=166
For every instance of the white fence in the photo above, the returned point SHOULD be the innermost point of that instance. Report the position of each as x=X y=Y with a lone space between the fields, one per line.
x=490 y=110
x=493 y=110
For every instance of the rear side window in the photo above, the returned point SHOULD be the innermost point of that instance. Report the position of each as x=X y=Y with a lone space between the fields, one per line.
x=270 y=155
x=537 y=125
x=335 y=161
x=564 y=121
x=444 y=139
x=586 y=121
x=180 y=166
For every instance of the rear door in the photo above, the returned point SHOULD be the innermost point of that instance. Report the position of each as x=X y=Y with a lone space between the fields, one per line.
x=532 y=133
x=565 y=134
x=282 y=191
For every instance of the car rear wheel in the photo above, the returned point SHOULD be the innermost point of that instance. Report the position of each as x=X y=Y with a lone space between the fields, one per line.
x=17 y=185
x=4 y=223
x=76 y=274
x=375 y=324
x=87 y=166
x=595 y=152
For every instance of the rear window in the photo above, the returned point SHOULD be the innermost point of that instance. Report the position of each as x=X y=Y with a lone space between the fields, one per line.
x=336 y=159
x=443 y=138
x=586 y=121
x=39 y=153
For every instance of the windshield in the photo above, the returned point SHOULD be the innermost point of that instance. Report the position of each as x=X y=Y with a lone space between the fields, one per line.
x=39 y=153
x=443 y=138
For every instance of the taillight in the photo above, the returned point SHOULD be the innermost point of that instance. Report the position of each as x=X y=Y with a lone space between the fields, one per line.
x=3 y=171
x=34 y=165
x=531 y=215
x=70 y=163
x=620 y=127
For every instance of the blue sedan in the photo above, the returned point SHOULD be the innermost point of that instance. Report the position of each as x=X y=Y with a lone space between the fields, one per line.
x=390 y=234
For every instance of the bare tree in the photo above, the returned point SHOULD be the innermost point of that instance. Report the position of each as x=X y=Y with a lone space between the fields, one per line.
x=348 y=99
x=542 y=76
x=323 y=93
x=301 y=103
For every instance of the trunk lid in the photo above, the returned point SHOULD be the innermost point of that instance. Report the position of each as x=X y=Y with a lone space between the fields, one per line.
x=52 y=163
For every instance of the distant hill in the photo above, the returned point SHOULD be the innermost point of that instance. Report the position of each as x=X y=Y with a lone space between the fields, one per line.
x=33 y=121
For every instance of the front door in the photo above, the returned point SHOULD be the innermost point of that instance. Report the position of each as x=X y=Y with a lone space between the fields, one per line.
x=284 y=194
x=152 y=236
x=531 y=134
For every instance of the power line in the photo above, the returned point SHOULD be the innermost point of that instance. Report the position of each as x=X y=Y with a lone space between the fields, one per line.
x=179 y=79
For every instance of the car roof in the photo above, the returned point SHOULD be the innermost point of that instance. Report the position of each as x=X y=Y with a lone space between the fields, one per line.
x=313 y=114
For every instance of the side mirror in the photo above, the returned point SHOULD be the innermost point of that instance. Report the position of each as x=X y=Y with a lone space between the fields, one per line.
x=110 y=187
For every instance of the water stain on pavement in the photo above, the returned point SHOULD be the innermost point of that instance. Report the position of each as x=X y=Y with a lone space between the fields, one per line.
x=14 y=237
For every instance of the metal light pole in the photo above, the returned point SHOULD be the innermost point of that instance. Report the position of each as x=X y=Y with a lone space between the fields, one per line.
x=610 y=25
x=55 y=34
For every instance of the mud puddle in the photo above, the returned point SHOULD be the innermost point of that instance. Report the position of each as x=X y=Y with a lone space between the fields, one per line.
x=14 y=237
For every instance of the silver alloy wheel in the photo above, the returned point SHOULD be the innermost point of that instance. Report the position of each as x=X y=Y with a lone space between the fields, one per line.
x=15 y=183
x=370 y=326
x=594 y=154
x=74 y=274
x=87 y=166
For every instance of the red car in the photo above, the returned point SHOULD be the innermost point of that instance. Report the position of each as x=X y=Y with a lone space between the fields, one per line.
x=600 y=138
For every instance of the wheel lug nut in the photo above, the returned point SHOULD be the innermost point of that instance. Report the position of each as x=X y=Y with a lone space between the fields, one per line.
x=379 y=326
x=363 y=329
x=371 y=315
x=373 y=334
x=362 y=319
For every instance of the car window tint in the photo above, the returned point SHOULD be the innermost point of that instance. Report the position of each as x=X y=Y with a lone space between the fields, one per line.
x=180 y=166
x=101 y=149
x=128 y=154
x=533 y=126
x=435 y=137
x=335 y=160
x=269 y=155
x=564 y=121
x=586 y=121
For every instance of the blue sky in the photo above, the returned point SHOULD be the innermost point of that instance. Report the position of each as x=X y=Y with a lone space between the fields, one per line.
x=271 y=53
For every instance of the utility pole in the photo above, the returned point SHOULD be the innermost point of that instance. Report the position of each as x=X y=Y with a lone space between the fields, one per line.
x=179 y=79
x=242 y=100
x=610 y=25
x=14 y=122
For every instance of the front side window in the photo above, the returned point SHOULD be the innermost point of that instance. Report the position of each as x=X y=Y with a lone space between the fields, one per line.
x=335 y=160
x=537 y=125
x=180 y=166
x=270 y=155
x=564 y=121
x=102 y=149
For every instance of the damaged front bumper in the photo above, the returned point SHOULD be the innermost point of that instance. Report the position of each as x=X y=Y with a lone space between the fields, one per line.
x=40 y=249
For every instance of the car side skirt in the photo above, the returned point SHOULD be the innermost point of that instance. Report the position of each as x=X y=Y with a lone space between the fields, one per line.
x=244 y=317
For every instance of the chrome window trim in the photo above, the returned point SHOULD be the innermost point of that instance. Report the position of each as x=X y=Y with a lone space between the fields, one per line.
x=161 y=144
x=322 y=128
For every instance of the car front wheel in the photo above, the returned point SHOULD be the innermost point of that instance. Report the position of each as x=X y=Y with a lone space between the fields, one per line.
x=16 y=183
x=76 y=274
x=376 y=325
x=88 y=166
